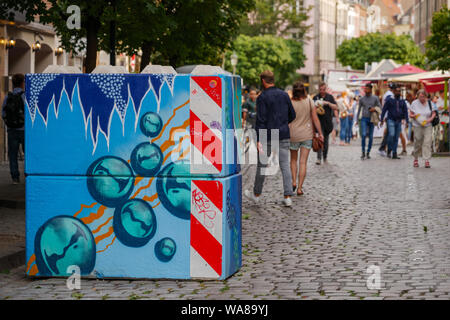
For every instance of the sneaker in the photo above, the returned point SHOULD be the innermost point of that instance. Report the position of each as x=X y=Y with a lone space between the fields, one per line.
x=382 y=153
x=16 y=181
x=427 y=164
x=404 y=153
x=394 y=156
x=318 y=162
x=416 y=163
x=250 y=195
x=287 y=202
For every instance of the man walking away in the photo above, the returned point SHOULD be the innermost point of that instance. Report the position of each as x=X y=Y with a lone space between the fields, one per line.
x=326 y=107
x=396 y=117
x=274 y=110
x=367 y=107
x=13 y=116
x=388 y=94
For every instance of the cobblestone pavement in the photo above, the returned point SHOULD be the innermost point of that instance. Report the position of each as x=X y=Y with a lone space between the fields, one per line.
x=354 y=214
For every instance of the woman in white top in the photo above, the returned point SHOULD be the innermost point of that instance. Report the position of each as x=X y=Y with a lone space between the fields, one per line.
x=422 y=114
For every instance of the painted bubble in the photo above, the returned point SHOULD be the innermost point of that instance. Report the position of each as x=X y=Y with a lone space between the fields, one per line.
x=61 y=242
x=110 y=181
x=151 y=124
x=146 y=159
x=134 y=223
x=174 y=188
x=165 y=249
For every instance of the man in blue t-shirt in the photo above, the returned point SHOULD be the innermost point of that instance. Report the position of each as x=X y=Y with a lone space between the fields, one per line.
x=397 y=115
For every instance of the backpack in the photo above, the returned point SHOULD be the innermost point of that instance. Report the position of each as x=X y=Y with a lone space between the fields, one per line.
x=14 y=111
x=436 y=120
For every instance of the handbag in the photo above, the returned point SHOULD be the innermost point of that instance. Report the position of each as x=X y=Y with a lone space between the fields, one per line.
x=317 y=144
x=436 y=120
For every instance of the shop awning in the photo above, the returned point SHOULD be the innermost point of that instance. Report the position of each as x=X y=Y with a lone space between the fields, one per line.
x=435 y=83
x=416 y=77
x=403 y=70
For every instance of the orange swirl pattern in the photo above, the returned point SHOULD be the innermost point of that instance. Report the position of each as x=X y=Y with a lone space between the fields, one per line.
x=32 y=269
x=168 y=121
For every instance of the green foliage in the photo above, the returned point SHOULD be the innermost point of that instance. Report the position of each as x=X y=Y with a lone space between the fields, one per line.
x=438 y=43
x=278 y=17
x=55 y=13
x=272 y=37
x=173 y=32
x=181 y=32
x=267 y=52
x=374 y=47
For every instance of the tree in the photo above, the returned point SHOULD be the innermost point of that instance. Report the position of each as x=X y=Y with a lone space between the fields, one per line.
x=174 y=32
x=267 y=52
x=374 y=47
x=438 y=43
x=92 y=16
x=278 y=26
x=169 y=32
x=277 y=17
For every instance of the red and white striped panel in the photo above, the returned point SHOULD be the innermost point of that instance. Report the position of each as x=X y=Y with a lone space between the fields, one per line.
x=206 y=229
x=206 y=124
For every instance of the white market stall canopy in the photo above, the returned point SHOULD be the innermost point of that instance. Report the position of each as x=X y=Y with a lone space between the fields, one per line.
x=417 y=76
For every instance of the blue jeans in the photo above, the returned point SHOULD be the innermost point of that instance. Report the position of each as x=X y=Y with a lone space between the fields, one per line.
x=349 y=133
x=409 y=130
x=394 y=129
x=284 y=162
x=15 y=139
x=343 y=130
x=366 y=131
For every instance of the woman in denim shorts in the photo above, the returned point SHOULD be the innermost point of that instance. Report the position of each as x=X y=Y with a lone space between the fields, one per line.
x=302 y=131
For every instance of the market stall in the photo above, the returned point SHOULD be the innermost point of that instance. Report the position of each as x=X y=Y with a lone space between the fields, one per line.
x=439 y=83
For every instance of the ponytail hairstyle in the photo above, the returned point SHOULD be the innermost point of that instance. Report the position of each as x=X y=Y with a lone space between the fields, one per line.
x=298 y=91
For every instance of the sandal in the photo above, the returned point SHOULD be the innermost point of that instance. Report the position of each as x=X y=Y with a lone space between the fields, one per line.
x=299 y=192
x=416 y=163
x=294 y=187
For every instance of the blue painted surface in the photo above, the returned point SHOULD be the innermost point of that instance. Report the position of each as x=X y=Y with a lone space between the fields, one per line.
x=106 y=189
x=132 y=253
x=75 y=119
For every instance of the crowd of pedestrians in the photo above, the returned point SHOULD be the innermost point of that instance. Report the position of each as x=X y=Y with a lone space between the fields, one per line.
x=300 y=119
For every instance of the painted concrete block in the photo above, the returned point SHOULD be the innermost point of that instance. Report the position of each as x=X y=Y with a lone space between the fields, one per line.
x=176 y=227
x=146 y=120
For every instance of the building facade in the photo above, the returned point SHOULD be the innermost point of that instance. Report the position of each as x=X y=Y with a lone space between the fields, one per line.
x=27 y=48
x=423 y=14
x=332 y=22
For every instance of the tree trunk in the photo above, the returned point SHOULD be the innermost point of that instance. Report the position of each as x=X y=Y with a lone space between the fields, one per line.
x=173 y=61
x=146 y=52
x=92 y=28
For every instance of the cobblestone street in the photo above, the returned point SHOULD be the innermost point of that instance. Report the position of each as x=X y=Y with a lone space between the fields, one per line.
x=355 y=214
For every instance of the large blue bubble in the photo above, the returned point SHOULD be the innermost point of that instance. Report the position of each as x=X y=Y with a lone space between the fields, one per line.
x=61 y=242
x=151 y=124
x=110 y=181
x=146 y=159
x=165 y=249
x=134 y=223
x=174 y=189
